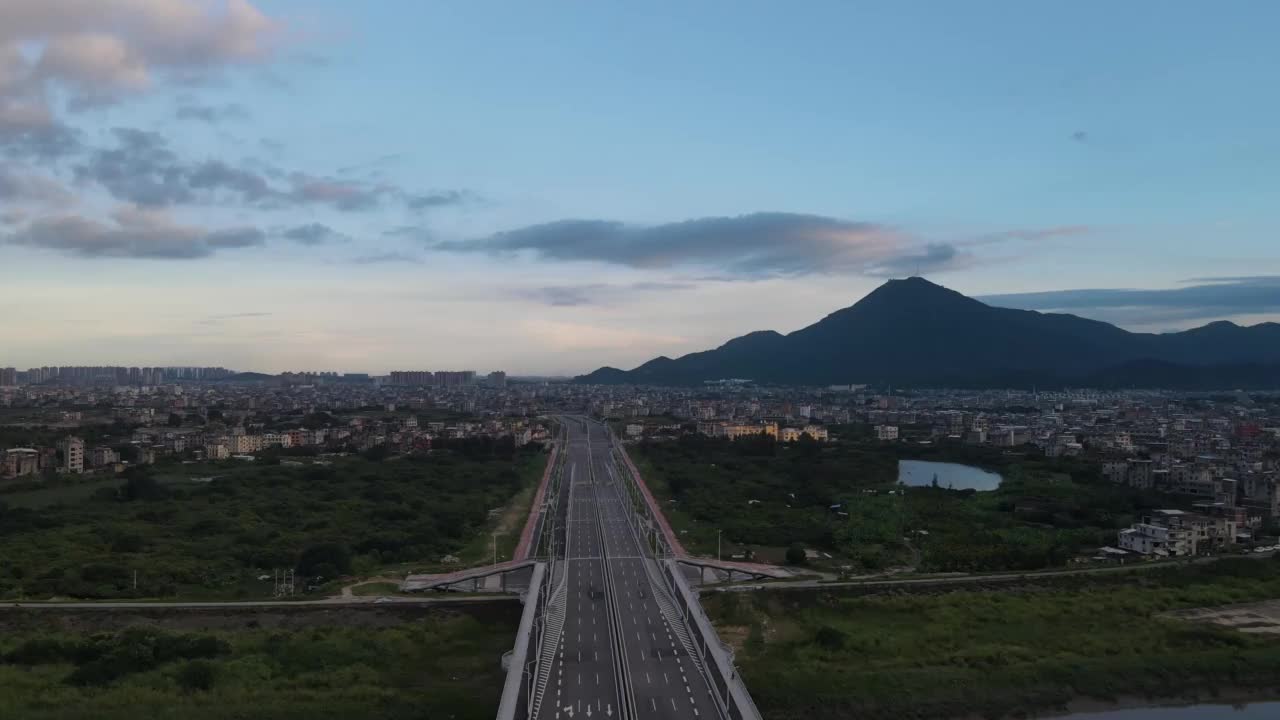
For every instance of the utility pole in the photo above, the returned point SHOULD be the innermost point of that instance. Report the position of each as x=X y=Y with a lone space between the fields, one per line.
x=718 y=545
x=495 y=548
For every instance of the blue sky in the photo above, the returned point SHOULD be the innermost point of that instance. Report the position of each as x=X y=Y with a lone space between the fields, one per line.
x=548 y=187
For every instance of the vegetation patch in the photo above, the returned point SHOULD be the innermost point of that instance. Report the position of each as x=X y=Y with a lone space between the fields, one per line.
x=445 y=665
x=825 y=655
x=227 y=537
x=842 y=498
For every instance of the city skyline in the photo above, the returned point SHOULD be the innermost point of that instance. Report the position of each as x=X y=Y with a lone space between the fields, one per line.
x=286 y=185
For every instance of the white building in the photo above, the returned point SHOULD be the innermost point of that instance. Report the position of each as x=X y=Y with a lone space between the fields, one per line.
x=1149 y=539
x=886 y=432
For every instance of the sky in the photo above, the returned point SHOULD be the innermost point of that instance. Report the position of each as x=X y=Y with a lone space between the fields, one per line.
x=549 y=187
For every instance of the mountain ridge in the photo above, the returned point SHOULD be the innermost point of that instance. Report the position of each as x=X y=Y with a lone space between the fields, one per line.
x=915 y=332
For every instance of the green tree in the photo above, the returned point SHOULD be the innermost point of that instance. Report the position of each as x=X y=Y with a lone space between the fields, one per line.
x=328 y=560
x=795 y=554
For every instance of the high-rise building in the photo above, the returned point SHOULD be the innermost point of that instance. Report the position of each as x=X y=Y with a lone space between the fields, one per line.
x=72 y=449
x=8 y=377
x=497 y=379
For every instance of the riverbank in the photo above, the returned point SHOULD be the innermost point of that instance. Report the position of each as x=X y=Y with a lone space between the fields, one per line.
x=1087 y=708
x=1104 y=644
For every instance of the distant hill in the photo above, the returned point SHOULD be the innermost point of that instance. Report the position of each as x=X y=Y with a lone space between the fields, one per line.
x=913 y=332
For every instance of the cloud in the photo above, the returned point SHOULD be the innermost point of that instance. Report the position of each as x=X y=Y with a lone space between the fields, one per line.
x=387 y=257
x=343 y=195
x=756 y=245
x=132 y=233
x=933 y=258
x=1030 y=234
x=99 y=50
x=139 y=169
x=33 y=188
x=210 y=114
x=216 y=319
x=593 y=293
x=1211 y=298
x=313 y=234
x=29 y=131
x=437 y=199
x=568 y=336
x=142 y=168
x=94 y=66
x=374 y=165
x=417 y=233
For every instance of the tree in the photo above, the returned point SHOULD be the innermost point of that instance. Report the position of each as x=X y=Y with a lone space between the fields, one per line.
x=325 y=559
x=140 y=485
x=175 y=420
x=795 y=554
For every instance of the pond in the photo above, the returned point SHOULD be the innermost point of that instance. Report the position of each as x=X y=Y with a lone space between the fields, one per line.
x=920 y=473
x=1253 y=711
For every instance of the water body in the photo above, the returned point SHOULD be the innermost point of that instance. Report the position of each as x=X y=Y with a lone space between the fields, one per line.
x=1253 y=711
x=920 y=473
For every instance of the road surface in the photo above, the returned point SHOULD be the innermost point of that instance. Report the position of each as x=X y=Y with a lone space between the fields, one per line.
x=617 y=648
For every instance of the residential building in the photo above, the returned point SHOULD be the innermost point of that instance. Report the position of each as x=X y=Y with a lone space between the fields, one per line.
x=102 y=456
x=1151 y=539
x=72 y=449
x=886 y=432
x=19 y=462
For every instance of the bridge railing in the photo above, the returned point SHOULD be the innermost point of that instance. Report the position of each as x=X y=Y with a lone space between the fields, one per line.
x=517 y=691
x=716 y=658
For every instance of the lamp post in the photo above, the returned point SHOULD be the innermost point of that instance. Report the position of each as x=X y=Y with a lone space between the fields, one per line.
x=718 y=545
x=495 y=548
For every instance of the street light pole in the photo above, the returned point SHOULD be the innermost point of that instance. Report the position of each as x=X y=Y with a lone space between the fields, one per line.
x=718 y=545
x=495 y=548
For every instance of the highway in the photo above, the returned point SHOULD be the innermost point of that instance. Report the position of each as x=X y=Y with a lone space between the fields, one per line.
x=618 y=653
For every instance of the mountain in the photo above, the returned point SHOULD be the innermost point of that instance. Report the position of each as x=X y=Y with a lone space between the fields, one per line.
x=913 y=332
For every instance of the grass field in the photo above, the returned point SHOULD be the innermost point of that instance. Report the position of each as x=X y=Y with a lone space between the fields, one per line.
x=444 y=666
x=822 y=655
x=376 y=588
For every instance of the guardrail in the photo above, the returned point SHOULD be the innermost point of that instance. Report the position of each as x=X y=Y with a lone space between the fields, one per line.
x=516 y=691
x=716 y=658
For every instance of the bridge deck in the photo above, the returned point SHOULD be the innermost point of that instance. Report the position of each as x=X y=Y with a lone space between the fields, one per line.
x=415 y=583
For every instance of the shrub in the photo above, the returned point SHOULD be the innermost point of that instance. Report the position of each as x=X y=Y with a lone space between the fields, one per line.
x=795 y=554
x=197 y=676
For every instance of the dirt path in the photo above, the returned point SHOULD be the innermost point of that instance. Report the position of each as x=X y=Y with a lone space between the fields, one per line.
x=349 y=590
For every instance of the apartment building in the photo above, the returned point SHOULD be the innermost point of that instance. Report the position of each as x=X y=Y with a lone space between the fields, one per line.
x=72 y=449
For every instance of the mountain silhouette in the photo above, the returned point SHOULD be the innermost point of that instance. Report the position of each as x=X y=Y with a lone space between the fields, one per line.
x=914 y=332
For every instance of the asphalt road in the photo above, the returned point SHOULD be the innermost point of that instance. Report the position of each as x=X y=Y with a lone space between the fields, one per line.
x=617 y=647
